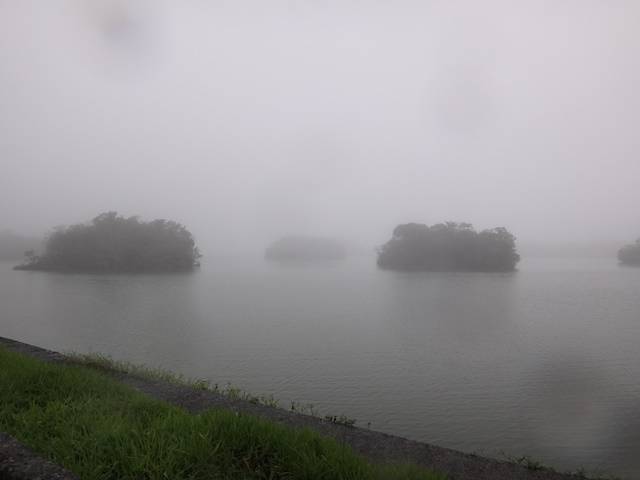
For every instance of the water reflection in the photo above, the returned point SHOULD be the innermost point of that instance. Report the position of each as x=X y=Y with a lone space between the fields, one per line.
x=542 y=362
x=463 y=307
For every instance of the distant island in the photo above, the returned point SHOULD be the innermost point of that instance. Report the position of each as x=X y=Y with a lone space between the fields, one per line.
x=13 y=246
x=630 y=254
x=300 y=248
x=113 y=243
x=449 y=247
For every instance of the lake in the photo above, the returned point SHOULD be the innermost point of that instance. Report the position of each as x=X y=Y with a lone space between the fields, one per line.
x=543 y=362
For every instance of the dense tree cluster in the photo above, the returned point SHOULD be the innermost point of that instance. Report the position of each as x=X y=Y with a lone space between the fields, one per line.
x=449 y=247
x=305 y=248
x=112 y=243
x=630 y=254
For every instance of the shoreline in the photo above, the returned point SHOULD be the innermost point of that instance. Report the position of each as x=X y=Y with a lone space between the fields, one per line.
x=373 y=445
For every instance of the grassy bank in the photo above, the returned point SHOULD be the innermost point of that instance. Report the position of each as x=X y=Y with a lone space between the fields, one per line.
x=100 y=429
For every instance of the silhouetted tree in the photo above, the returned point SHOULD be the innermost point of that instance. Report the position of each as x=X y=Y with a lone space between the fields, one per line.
x=449 y=247
x=112 y=243
x=630 y=254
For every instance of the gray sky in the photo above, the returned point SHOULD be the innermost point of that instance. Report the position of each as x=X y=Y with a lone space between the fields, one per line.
x=245 y=121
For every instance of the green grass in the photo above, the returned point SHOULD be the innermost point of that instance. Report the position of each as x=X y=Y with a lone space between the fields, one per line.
x=106 y=363
x=100 y=429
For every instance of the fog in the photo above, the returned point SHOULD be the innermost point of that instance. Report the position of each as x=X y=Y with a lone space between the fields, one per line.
x=247 y=121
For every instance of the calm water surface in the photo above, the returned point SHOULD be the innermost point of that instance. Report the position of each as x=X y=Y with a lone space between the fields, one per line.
x=543 y=362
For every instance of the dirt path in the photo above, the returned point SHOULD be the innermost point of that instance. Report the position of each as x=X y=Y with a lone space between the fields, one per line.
x=376 y=446
x=19 y=463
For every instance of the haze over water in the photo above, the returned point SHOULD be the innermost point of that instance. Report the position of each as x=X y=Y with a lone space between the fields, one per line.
x=541 y=362
x=247 y=121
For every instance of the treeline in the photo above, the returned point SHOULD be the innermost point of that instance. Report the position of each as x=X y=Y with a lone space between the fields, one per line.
x=113 y=243
x=449 y=247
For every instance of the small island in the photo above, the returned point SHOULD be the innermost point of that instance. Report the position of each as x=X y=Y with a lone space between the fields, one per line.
x=630 y=254
x=449 y=247
x=301 y=248
x=113 y=243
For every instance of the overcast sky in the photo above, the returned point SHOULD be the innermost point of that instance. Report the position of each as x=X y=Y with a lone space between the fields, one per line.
x=246 y=120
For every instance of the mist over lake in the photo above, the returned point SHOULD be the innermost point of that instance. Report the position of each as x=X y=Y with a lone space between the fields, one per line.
x=421 y=215
x=540 y=362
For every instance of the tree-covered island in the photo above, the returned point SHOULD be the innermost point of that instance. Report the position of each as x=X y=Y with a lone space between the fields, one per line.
x=630 y=254
x=302 y=248
x=113 y=243
x=449 y=247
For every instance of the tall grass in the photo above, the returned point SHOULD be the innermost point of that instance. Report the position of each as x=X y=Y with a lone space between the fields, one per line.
x=105 y=363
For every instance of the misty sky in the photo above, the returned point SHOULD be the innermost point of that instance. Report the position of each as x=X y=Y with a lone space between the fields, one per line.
x=246 y=120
